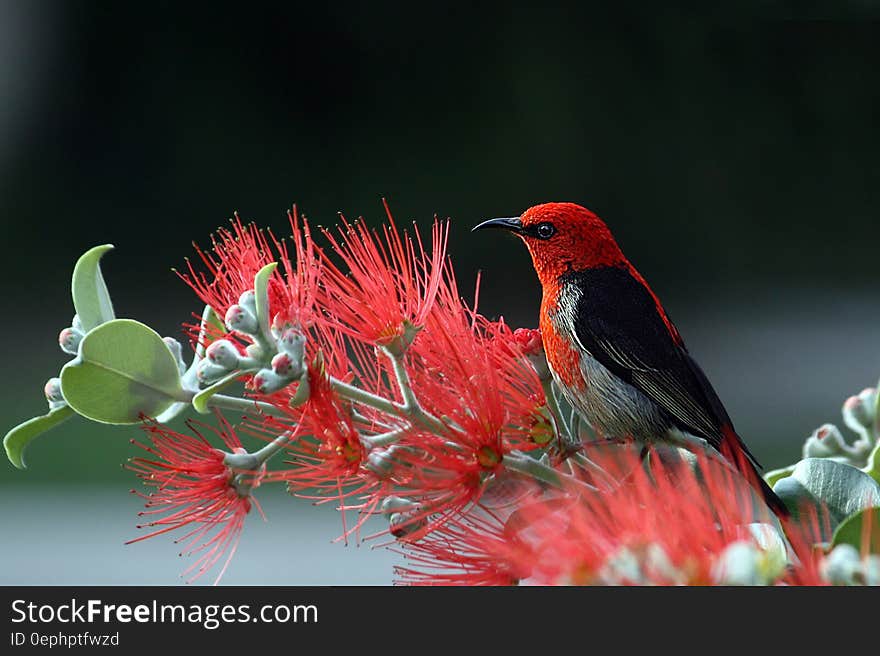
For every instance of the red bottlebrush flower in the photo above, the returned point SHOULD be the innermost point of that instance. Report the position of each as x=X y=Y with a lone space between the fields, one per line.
x=325 y=453
x=468 y=372
x=668 y=526
x=237 y=255
x=325 y=447
x=474 y=548
x=295 y=299
x=391 y=282
x=193 y=487
x=471 y=371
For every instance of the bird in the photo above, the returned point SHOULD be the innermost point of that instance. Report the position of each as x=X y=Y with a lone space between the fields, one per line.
x=611 y=347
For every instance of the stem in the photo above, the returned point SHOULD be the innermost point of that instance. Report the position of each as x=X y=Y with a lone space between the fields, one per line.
x=567 y=433
x=382 y=404
x=366 y=398
x=400 y=373
x=274 y=446
x=253 y=461
x=373 y=423
x=244 y=405
x=555 y=411
x=589 y=465
x=385 y=439
x=540 y=471
x=411 y=404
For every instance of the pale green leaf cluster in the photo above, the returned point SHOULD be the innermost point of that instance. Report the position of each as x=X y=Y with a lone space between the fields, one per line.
x=837 y=485
x=123 y=371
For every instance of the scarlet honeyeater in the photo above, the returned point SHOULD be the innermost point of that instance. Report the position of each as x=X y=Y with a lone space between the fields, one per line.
x=612 y=348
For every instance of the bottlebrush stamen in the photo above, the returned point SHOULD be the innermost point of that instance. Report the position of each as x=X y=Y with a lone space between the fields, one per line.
x=390 y=284
x=194 y=488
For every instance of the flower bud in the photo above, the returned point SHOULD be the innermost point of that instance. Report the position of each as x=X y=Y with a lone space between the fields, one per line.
x=52 y=390
x=248 y=300
x=69 y=340
x=858 y=411
x=738 y=564
x=842 y=566
x=871 y=567
x=285 y=366
x=239 y=318
x=826 y=441
x=292 y=342
x=394 y=504
x=774 y=556
x=208 y=373
x=380 y=462
x=622 y=567
x=280 y=323
x=223 y=354
x=267 y=381
x=385 y=461
x=402 y=525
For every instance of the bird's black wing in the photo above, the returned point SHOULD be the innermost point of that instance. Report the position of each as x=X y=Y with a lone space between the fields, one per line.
x=616 y=319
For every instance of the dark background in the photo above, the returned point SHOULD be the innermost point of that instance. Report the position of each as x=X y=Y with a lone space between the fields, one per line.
x=735 y=158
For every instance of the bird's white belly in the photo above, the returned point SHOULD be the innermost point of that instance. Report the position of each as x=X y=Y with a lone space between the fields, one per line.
x=613 y=407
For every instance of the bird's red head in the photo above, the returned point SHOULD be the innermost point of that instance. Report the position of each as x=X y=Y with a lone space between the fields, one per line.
x=562 y=237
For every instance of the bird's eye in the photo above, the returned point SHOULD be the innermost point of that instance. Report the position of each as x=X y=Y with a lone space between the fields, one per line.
x=545 y=230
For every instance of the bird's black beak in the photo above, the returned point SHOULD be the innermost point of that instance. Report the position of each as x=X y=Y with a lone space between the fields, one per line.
x=512 y=224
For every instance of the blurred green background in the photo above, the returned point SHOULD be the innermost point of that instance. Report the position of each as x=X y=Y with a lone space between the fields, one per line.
x=735 y=159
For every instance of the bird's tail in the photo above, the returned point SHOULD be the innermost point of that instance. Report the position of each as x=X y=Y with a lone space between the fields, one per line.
x=735 y=451
x=771 y=498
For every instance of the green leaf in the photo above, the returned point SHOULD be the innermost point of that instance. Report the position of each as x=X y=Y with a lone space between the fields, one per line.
x=90 y=296
x=833 y=488
x=261 y=293
x=19 y=437
x=200 y=400
x=872 y=469
x=123 y=369
x=861 y=528
x=778 y=474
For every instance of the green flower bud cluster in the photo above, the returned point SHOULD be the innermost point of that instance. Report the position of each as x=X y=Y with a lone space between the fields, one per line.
x=69 y=340
x=287 y=365
x=278 y=359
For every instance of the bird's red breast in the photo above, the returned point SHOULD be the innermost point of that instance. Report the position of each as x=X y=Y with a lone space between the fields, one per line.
x=563 y=357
